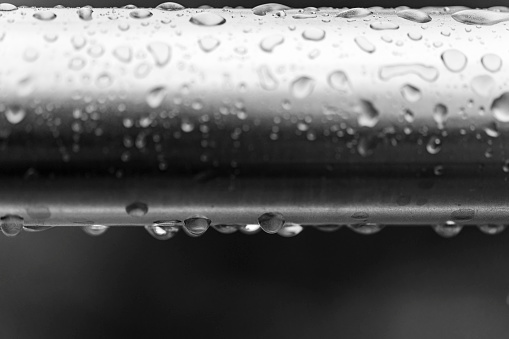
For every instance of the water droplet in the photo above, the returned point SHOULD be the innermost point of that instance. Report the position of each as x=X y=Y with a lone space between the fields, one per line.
x=454 y=60
x=448 y=230
x=207 y=19
x=434 y=145
x=354 y=13
x=313 y=34
x=6 y=7
x=268 y=8
x=123 y=53
x=11 y=225
x=156 y=96
x=161 y=53
x=226 y=228
x=492 y=130
x=382 y=26
x=76 y=63
x=45 y=15
x=94 y=230
x=491 y=62
x=30 y=54
x=364 y=44
x=328 y=227
x=339 y=81
x=483 y=85
x=428 y=73
x=164 y=230
x=270 y=42
x=302 y=87
x=85 y=13
x=463 y=214
x=368 y=114
x=414 y=15
x=271 y=222
x=250 y=229
x=137 y=209
x=480 y=17
x=78 y=41
x=500 y=107
x=290 y=230
x=267 y=79
x=15 y=114
x=492 y=229
x=304 y=16
x=208 y=44
x=25 y=86
x=415 y=36
x=104 y=80
x=170 y=6
x=36 y=228
x=140 y=13
x=366 y=228
x=440 y=115
x=196 y=226
x=410 y=93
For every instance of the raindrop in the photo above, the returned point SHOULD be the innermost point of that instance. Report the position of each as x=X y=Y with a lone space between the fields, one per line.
x=364 y=44
x=226 y=228
x=137 y=209
x=207 y=19
x=410 y=93
x=302 y=87
x=492 y=229
x=414 y=15
x=454 y=60
x=156 y=96
x=500 y=107
x=161 y=53
x=267 y=79
x=85 y=13
x=123 y=53
x=196 y=226
x=491 y=62
x=483 y=85
x=440 y=115
x=140 y=13
x=45 y=15
x=368 y=114
x=313 y=34
x=11 y=225
x=338 y=80
x=164 y=230
x=271 y=222
x=448 y=230
x=382 y=26
x=354 y=13
x=366 y=228
x=170 y=6
x=480 y=17
x=270 y=42
x=94 y=229
x=428 y=73
x=268 y=8
x=208 y=44
x=6 y=7
x=434 y=145
x=15 y=114
x=290 y=230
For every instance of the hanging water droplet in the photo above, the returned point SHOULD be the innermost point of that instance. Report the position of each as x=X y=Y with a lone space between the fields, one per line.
x=454 y=60
x=156 y=96
x=140 y=13
x=123 y=53
x=270 y=42
x=480 y=17
x=250 y=229
x=302 y=87
x=338 y=80
x=410 y=93
x=226 y=228
x=368 y=114
x=6 y=7
x=354 y=13
x=196 y=226
x=208 y=44
x=382 y=26
x=414 y=15
x=36 y=228
x=328 y=227
x=364 y=44
x=45 y=15
x=366 y=228
x=161 y=53
x=207 y=19
x=268 y=8
x=164 y=230
x=11 y=225
x=271 y=222
x=434 y=145
x=491 y=62
x=94 y=230
x=267 y=79
x=85 y=13
x=15 y=114
x=137 y=209
x=440 y=115
x=170 y=6
x=483 y=85
x=448 y=229
x=290 y=230
x=313 y=34
x=500 y=107
x=492 y=229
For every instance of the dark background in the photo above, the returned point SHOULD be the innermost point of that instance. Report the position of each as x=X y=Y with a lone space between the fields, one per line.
x=401 y=283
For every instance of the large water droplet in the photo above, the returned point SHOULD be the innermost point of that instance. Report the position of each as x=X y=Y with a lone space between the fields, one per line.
x=339 y=81
x=290 y=230
x=94 y=230
x=500 y=107
x=15 y=114
x=491 y=62
x=302 y=87
x=414 y=15
x=11 y=225
x=207 y=19
x=208 y=44
x=384 y=25
x=368 y=114
x=45 y=16
x=271 y=222
x=6 y=7
x=196 y=226
x=313 y=34
x=164 y=230
x=428 y=73
x=410 y=93
x=161 y=53
x=480 y=17
x=267 y=80
x=364 y=44
x=270 y=42
x=440 y=115
x=156 y=96
x=226 y=228
x=137 y=209
x=492 y=229
x=123 y=53
x=140 y=13
x=454 y=60
x=170 y=6
x=85 y=13
x=354 y=13
x=448 y=230
x=268 y=8
x=483 y=85
x=366 y=228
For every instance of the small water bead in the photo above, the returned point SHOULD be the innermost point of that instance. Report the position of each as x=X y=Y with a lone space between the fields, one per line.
x=78 y=41
x=304 y=16
x=11 y=225
x=15 y=114
x=428 y=73
x=290 y=230
x=85 y=13
x=123 y=53
x=328 y=227
x=355 y=13
x=382 y=26
x=338 y=80
x=130 y=6
x=270 y=42
x=208 y=44
x=415 y=36
x=37 y=228
x=448 y=229
x=483 y=85
x=366 y=228
x=313 y=34
x=434 y=145
x=271 y=222
x=76 y=63
x=170 y=6
x=140 y=13
x=267 y=80
x=6 y=7
x=164 y=230
x=196 y=226
x=30 y=54
x=45 y=15
x=94 y=230
x=492 y=229
x=492 y=130
x=161 y=52
x=302 y=87
x=368 y=114
x=440 y=115
x=268 y=8
x=500 y=107
x=364 y=44
x=226 y=228
x=454 y=60
x=250 y=228
x=156 y=96
x=207 y=19
x=480 y=17
x=491 y=62
x=137 y=209
x=410 y=93
x=414 y=15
